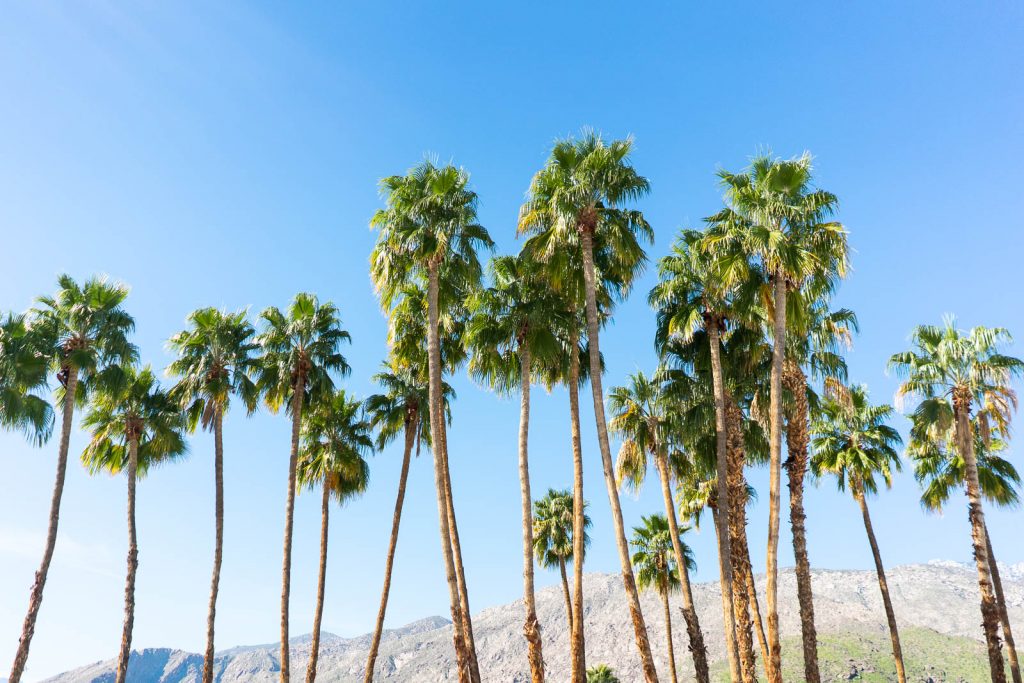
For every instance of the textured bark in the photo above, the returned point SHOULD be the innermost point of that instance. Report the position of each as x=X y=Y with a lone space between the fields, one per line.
x=1004 y=617
x=668 y=638
x=740 y=553
x=577 y=641
x=989 y=612
x=289 y=523
x=531 y=627
x=133 y=564
x=797 y=438
x=632 y=597
x=883 y=585
x=755 y=609
x=565 y=592
x=318 y=614
x=773 y=665
x=35 y=600
x=218 y=546
x=411 y=428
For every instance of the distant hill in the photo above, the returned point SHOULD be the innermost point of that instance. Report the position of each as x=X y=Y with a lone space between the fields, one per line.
x=936 y=605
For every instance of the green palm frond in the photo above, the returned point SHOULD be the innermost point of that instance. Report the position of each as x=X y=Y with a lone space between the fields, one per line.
x=336 y=437
x=553 y=527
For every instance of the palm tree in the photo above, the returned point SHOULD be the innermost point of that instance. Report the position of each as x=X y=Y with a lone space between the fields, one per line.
x=951 y=372
x=642 y=415
x=135 y=425
x=575 y=203
x=654 y=557
x=776 y=216
x=215 y=361
x=301 y=348
x=84 y=332
x=553 y=536
x=429 y=233
x=335 y=438
x=854 y=443
x=601 y=674
x=23 y=373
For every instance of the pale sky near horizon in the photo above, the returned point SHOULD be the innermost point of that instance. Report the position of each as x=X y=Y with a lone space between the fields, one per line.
x=227 y=154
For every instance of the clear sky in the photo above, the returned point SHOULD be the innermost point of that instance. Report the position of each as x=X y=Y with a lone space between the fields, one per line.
x=228 y=155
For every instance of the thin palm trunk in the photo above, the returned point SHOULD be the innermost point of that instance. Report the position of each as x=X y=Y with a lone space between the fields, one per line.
x=531 y=627
x=773 y=665
x=577 y=640
x=639 y=627
x=289 y=519
x=218 y=548
x=668 y=637
x=1004 y=617
x=565 y=592
x=35 y=601
x=411 y=428
x=318 y=614
x=133 y=564
x=883 y=585
x=755 y=609
x=739 y=551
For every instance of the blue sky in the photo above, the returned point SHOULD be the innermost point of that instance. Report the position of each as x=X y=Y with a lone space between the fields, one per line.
x=227 y=154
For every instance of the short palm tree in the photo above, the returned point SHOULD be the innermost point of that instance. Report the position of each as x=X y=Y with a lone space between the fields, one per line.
x=576 y=206
x=135 y=425
x=656 y=569
x=336 y=437
x=84 y=332
x=215 y=361
x=553 y=537
x=23 y=374
x=854 y=444
x=301 y=351
x=601 y=673
x=953 y=372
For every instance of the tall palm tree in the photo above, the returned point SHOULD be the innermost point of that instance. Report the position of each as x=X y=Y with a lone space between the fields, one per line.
x=215 y=361
x=952 y=372
x=84 y=332
x=776 y=215
x=854 y=443
x=336 y=437
x=552 y=536
x=135 y=425
x=642 y=415
x=301 y=350
x=23 y=374
x=428 y=232
x=654 y=557
x=576 y=203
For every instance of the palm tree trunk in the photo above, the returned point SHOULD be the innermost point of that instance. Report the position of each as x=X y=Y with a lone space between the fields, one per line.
x=577 y=640
x=411 y=428
x=289 y=519
x=773 y=666
x=318 y=614
x=796 y=470
x=693 y=632
x=133 y=564
x=755 y=609
x=989 y=612
x=639 y=627
x=722 y=518
x=883 y=585
x=565 y=592
x=218 y=548
x=35 y=600
x=737 y=527
x=531 y=627
x=436 y=425
x=1004 y=617
x=668 y=636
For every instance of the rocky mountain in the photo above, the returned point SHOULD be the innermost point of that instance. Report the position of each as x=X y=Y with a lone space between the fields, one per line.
x=936 y=604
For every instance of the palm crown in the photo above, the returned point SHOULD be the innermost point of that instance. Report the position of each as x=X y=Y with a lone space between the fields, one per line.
x=23 y=373
x=653 y=556
x=552 y=528
x=404 y=389
x=643 y=418
x=335 y=438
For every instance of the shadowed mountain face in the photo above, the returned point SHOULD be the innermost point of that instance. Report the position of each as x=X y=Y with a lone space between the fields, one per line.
x=936 y=603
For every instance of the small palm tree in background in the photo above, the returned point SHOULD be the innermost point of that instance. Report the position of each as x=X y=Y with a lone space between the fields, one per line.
x=135 y=425
x=23 y=374
x=601 y=673
x=854 y=443
x=301 y=350
x=336 y=437
x=553 y=537
x=83 y=332
x=215 y=361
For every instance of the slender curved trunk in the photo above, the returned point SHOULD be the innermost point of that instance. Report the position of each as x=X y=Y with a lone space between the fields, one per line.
x=989 y=612
x=755 y=609
x=1004 y=617
x=797 y=426
x=740 y=552
x=577 y=641
x=668 y=637
x=436 y=425
x=218 y=547
x=696 y=637
x=531 y=627
x=133 y=564
x=289 y=520
x=643 y=645
x=883 y=585
x=411 y=427
x=318 y=614
x=35 y=600
x=565 y=592
x=773 y=665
